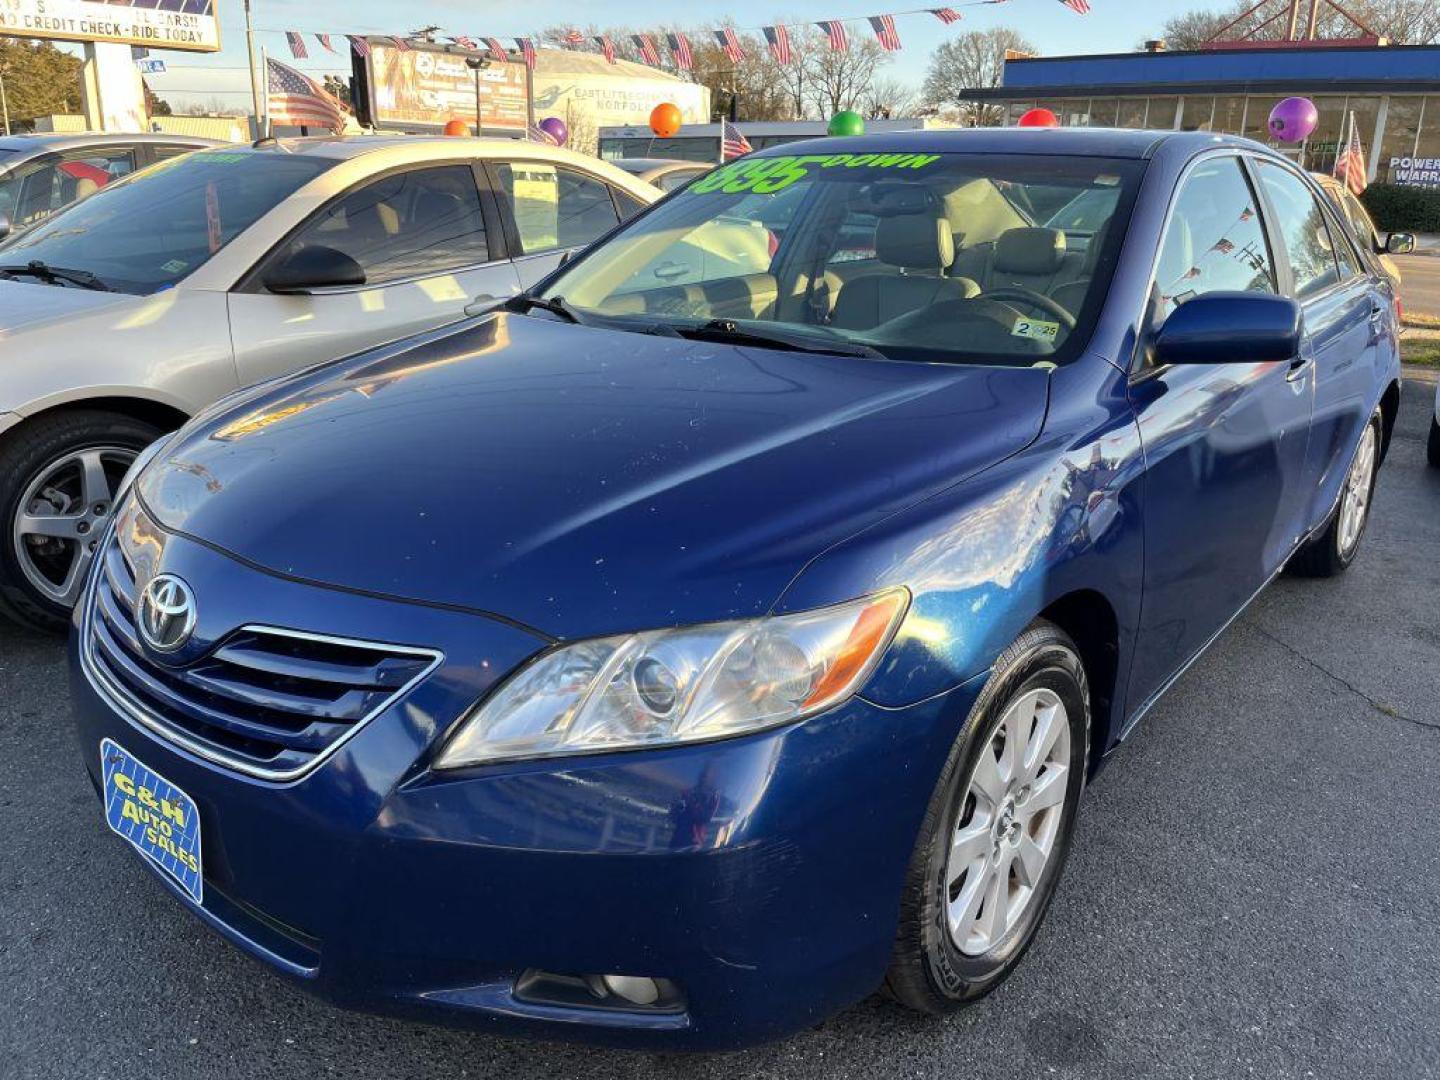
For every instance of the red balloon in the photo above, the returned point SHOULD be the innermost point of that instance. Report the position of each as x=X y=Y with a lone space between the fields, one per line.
x=1039 y=118
x=665 y=119
x=456 y=127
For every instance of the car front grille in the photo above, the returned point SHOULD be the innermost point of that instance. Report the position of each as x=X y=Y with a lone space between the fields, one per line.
x=268 y=702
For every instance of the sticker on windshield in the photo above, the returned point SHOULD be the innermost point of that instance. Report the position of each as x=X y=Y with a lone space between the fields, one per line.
x=767 y=175
x=1037 y=329
x=174 y=266
x=220 y=157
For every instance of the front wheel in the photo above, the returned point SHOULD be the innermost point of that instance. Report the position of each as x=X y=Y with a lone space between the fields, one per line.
x=58 y=477
x=1335 y=548
x=998 y=827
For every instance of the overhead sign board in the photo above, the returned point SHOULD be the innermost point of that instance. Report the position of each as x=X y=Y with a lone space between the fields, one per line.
x=420 y=88
x=192 y=25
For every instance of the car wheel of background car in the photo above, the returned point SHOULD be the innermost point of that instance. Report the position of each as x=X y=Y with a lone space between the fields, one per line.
x=1334 y=549
x=1432 y=448
x=58 y=475
x=998 y=828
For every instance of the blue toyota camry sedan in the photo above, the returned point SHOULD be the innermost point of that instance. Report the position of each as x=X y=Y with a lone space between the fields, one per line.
x=726 y=628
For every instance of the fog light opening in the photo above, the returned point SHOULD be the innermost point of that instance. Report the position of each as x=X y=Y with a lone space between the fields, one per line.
x=628 y=993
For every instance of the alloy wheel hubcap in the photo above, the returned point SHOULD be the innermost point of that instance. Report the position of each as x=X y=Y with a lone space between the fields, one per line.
x=1355 y=500
x=1014 y=805
x=62 y=514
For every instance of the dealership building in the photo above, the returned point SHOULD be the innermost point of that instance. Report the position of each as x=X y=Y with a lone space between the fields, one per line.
x=1393 y=91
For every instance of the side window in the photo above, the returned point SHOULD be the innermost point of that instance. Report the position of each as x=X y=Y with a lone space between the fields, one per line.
x=54 y=183
x=1214 y=241
x=1360 y=221
x=1345 y=257
x=1301 y=224
x=554 y=206
x=165 y=153
x=629 y=205
x=412 y=224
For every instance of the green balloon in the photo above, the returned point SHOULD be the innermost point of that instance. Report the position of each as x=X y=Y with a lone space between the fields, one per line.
x=847 y=123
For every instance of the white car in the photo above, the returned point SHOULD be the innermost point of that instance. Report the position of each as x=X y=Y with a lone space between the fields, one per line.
x=127 y=312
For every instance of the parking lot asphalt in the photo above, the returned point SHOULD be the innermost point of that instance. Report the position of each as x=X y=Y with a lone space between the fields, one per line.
x=1421 y=276
x=1252 y=891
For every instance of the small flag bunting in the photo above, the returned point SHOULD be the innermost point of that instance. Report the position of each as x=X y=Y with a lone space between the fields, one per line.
x=834 y=29
x=1080 y=7
x=324 y=40
x=778 y=39
x=358 y=44
x=297 y=45
x=680 y=50
x=884 y=27
x=527 y=50
x=945 y=15
x=648 y=52
x=730 y=44
x=607 y=47
x=497 y=51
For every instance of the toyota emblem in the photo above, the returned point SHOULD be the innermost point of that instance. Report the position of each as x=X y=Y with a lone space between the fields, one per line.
x=166 y=614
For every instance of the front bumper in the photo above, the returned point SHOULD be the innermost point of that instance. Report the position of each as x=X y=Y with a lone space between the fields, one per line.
x=761 y=875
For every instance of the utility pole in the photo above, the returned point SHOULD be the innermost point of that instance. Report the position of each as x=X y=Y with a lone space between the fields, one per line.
x=254 y=71
x=4 y=101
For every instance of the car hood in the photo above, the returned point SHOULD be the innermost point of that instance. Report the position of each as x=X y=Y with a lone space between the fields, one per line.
x=26 y=305
x=579 y=480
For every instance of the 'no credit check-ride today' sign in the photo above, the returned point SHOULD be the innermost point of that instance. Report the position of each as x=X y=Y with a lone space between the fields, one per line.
x=160 y=24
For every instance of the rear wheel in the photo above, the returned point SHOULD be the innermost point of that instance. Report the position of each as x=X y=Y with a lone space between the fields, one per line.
x=1334 y=550
x=998 y=828
x=58 y=476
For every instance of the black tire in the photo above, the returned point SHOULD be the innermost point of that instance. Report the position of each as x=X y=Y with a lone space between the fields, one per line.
x=25 y=453
x=1323 y=555
x=928 y=972
x=1432 y=448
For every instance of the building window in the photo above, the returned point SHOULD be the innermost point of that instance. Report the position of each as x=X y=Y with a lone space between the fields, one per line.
x=1161 y=113
x=1103 y=111
x=1428 y=143
x=1402 y=128
x=1132 y=113
x=1257 y=117
x=1198 y=114
x=1229 y=112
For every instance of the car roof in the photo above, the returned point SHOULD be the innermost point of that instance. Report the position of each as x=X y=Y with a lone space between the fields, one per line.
x=347 y=147
x=48 y=141
x=645 y=164
x=1066 y=141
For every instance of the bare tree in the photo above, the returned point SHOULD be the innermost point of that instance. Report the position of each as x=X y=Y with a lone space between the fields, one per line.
x=1405 y=22
x=972 y=61
x=885 y=99
x=838 y=80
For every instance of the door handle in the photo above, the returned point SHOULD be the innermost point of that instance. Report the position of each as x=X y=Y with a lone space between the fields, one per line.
x=669 y=270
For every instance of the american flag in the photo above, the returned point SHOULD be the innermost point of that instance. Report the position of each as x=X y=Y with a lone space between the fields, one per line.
x=535 y=133
x=680 y=50
x=1224 y=245
x=1080 y=7
x=359 y=44
x=884 y=27
x=730 y=44
x=297 y=45
x=467 y=43
x=732 y=143
x=574 y=38
x=778 y=38
x=527 y=50
x=324 y=40
x=834 y=29
x=945 y=15
x=606 y=46
x=648 y=52
x=294 y=99
x=401 y=45
x=1350 y=163
x=497 y=51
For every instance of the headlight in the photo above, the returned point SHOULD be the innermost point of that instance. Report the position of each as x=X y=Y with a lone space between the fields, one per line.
x=681 y=685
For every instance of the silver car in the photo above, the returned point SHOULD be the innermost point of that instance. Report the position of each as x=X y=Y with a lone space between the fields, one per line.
x=42 y=174
x=158 y=294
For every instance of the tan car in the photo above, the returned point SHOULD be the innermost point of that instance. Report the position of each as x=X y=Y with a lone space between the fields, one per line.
x=1353 y=210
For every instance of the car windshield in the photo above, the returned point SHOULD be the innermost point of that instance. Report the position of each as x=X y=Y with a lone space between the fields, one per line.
x=911 y=256
x=150 y=230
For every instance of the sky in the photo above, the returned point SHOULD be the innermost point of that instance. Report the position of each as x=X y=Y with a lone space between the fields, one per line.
x=1111 y=26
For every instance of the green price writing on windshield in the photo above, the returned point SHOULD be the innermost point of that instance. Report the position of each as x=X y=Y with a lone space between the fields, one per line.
x=766 y=175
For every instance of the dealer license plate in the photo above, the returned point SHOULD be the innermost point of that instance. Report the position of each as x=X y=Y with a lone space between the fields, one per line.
x=153 y=814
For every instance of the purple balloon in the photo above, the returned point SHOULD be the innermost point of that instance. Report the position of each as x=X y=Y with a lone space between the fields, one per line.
x=556 y=129
x=1293 y=119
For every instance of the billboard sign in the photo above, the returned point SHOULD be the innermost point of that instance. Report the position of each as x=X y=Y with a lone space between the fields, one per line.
x=1415 y=172
x=423 y=86
x=192 y=25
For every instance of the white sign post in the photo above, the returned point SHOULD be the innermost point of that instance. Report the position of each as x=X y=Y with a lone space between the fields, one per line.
x=111 y=93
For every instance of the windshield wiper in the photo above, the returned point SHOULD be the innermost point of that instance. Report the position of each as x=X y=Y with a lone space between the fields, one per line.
x=53 y=274
x=730 y=332
x=555 y=305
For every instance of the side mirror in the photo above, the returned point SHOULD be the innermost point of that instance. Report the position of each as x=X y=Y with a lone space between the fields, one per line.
x=313 y=267
x=6 y=228
x=1400 y=243
x=1229 y=327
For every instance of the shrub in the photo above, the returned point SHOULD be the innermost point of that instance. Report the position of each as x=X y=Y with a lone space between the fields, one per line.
x=1403 y=209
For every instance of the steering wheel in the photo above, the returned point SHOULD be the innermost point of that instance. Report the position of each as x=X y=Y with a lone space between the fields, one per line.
x=1020 y=295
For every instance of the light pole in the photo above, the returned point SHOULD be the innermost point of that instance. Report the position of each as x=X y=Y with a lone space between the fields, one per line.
x=254 y=72
x=4 y=101
x=477 y=64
